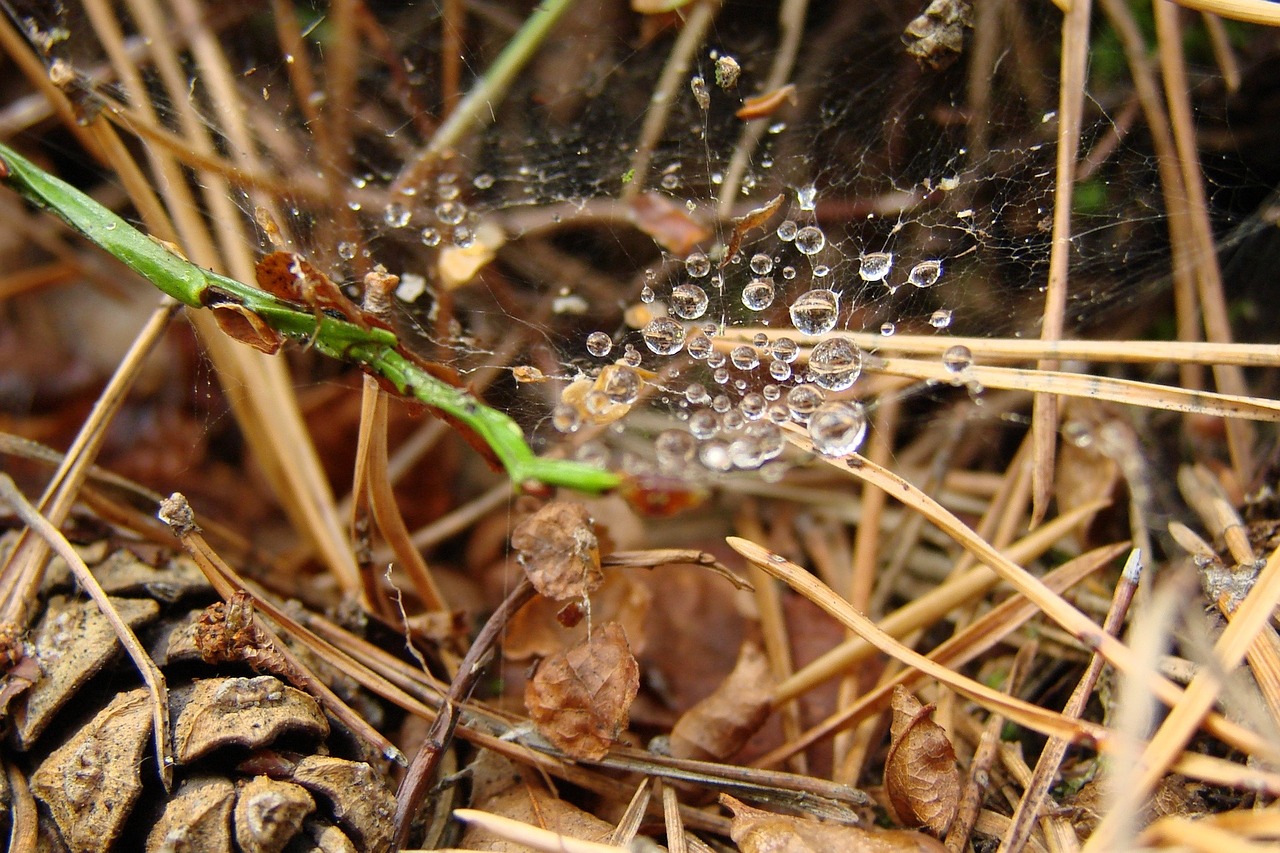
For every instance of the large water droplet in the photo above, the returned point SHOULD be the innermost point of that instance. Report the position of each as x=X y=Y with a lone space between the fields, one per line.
x=674 y=447
x=887 y=329
x=957 y=359
x=752 y=406
x=810 y=240
x=565 y=418
x=699 y=345
x=696 y=393
x=744 y=358
x=761 y=264
x=647 y=295
x=785 y=349
x=786 y=230
x=815 y=312
x=697 y=265
x=925 y=274
x=779 y=370
x=758 y=294
x=803 y=400
x=875 y=266
x=837 y=428
x=663 y=336
x=835 y=363
x=940 y=319
x=688 y=301
x=619 y=383
x=704 y=424
x=631 y=355
x=451 y=212
x=599 y=344
x=430 y=237
x=346 y=250
x=714 y=455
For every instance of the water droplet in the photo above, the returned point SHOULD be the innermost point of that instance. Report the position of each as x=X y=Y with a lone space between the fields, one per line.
x=758 y=294
x=670 y=182
x=646 y=295
x=463 y=237
x=887 y=329
x=704 y=424
x=810 y=240
x=698 y=345
x=821 y=271
x=940 y=319
x=752 y=406
x=631 y=356
x=697 y=265
x=771 y=392
x=696 y=393
x=779 y=370
x=835 y=363
x=815 y=312
x=875 y=266
x=663 y=336
x=760 y=340
x=599 y=344
x=761 y=264
x=430 y=237
x=768 y=437
x=786 y=230
x=957 y=359
x=396 y=215
x=619 y=383
x=721 y=375
x=837 y=428
x=674 y=447
x=565 y=418
x=732 y=421
x=346 y=250
x=689 y=301
x=807 y=196
x=925 y=274
x=714 y=455
x=803 y=400
x=745 y=358
x=785 y=349
x=788 y=272
x=483 y=181
x=451 y=212
x=716 y=359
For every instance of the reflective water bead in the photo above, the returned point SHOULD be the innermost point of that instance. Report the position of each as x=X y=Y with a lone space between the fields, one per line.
x=815 y=312
x=785 y=349
x=779 y=370
x=771 y=392
x=670 y=181
x=721 y=375
x=619 y=383
x=451 y=212
x=761 y=264
x=821 y=271
x=778 y=413
x=732 y=421
x=745 y=358
x=957 y=359
x=887 y=329
x=698 y=345
x=745 y=454
x=565 y=418
x=752 y=406
x=714 y=455
x=807 y=196
x=758 y=294
x=631 y=356
x=346 y=250
x=697 y=265
x=463 y=237
x=647 y=295
x=788 y=272
x=716 y=359
x=835 y=363
x=925 y=274
x=696 y=393
x=810 y=240
x=396 y=215
x=482 y=181
x=837 y=428
x=674 y=447
x=721 y=403
x=787 y=230
x=760 y=340
x=688 y=301
x=767 y=437
x=430 y=237
x=875 y=266
x=803 y=400
x=940 y=319
x=599 y=344
x=703 y=424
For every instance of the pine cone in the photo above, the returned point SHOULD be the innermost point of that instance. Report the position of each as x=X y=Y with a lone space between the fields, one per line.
x=258 y=767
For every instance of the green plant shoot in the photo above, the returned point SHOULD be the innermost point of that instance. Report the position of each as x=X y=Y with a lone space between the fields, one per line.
x=375 y=349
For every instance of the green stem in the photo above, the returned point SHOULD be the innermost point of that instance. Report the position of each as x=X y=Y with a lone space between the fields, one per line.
x=376 y=350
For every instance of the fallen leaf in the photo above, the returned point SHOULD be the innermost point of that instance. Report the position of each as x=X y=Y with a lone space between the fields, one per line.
x=558 y=548
x=758 y=831
x=762 y=106
x=581 y=700
x=743 y=224
x=920 y=774
x=536 y=630
x=718 y=726
x=668 y=223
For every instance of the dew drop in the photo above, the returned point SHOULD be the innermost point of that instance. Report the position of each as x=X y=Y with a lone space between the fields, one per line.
x=752 y=406
x=760 y=340
x=631 y=356
x=810 y=240
x=803 y=401
x=451 y=212
x=704 y=424
x=715 y=455
x=957 y=359
x=721 y=403
x=721 y=375
x=778 y=413
x=925 y=274
x=779 y=370
x=699 y=345
x=565 y=418
x=821 y=271
x=786 y=230
x=814 y=312
x=646 y=295
x=835 y=363
x=761 y=264
x=599 y=344
x=771 y=392
x=674 y=447
x=940 y=319
x=697 y=265
x=785 y=349
x=887 y=329
x=837 y=428
x=463 y=237
x=620 y=384
x=744 y=358
x=483 y=181
x=430 y=237
x=396 y=215
x=758 y=294
x=689 y=301
x=788 y=272
x=807 y=196
x=346 y=250
x=732 y=421
x=696 y=393
x=670 y=182
x=875 y=266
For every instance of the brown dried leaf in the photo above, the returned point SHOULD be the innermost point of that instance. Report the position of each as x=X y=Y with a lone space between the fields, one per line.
x=581 y=700
x=558 y=548
x=920 y=774
x=362 y=800
x=245 y=326
x=269 y=813
x=249 y=712
x=762 y=106
x=198 y=817
x=936 y=38
x=291 y=277
x=537 y=631
x=758 y=831
x=718 y=726
x=668 y=223
x=91 y=782
x=743 y=224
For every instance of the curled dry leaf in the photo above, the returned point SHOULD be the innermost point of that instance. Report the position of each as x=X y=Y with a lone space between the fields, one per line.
x=245 y=326
x=743 y=224
x=920 y=775
x=559 y=551
x=758 y=831
x=668 y=223
x=763 y=106
x=581 y=700
x=718 y=726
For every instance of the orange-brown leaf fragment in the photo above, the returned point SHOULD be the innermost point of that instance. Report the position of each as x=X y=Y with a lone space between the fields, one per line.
x=668 y=223
x=558 y=548
x=245 y=326
x=920 y=774
x=743 y=224
x=581 y=700
x=718 y=726
x=758 y=831
x=763 y=106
